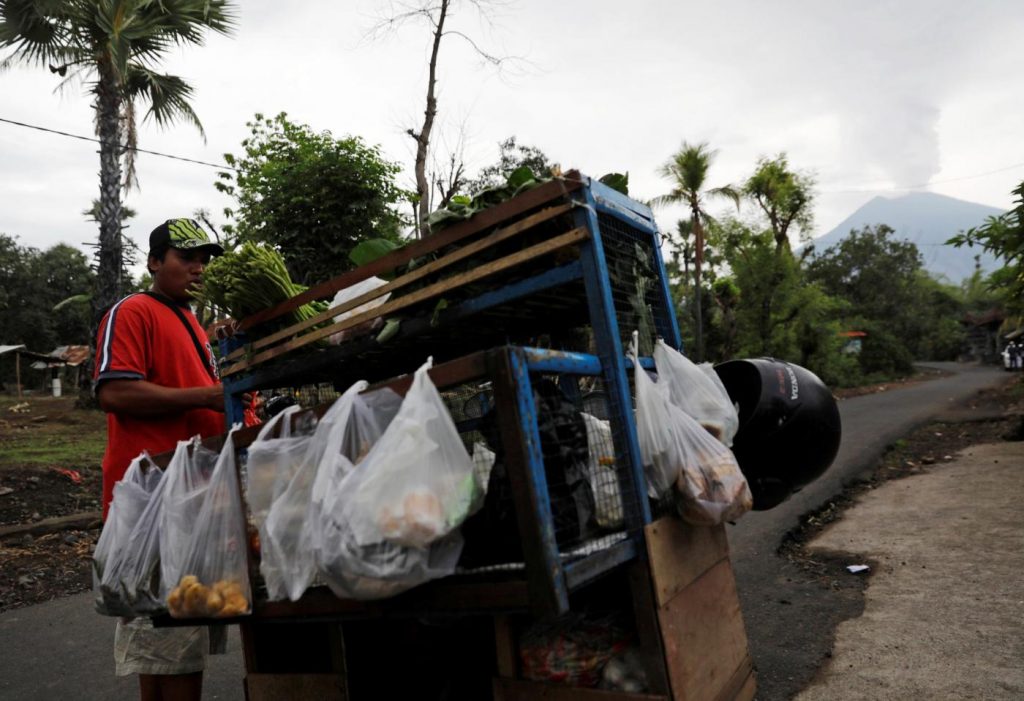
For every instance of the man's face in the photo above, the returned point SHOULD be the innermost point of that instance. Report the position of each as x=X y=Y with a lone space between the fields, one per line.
x=179 y=273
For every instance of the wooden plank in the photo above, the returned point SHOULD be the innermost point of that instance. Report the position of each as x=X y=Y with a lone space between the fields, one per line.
x=505 y=645
x=525 y=690
x=703 y=634
x=82 y=521
x=568 y=239
x=527 y=480
x=648 y=631
x=742 y=686
x=530 y=199
x=407 y=279
x=680 y=553
x=297 y=687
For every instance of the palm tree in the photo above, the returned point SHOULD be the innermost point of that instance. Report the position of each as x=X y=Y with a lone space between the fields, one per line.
x=114 y=46
x=688 y=170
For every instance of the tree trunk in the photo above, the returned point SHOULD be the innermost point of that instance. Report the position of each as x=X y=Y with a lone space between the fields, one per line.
x=698 y=260
x=423 y=138
x=109 y=282
x=109 y=286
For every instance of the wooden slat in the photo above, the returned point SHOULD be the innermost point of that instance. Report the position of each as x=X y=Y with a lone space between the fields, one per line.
x=523 y=690
x=409 y=278
x=505 y=647
x=494 y=216
x=570 y=238
x=648 y=630
x=680 y=553
x=742 y=686
x=704 y=638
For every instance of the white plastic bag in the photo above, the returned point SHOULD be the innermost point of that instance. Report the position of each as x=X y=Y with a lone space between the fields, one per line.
x=215 y=579
x=139 y=571
x=709 y=487
x=271 y=463
x=291 y=535
x=351 y=292
x=661 y=446
x=185 y=484
x=417 y=484
x=604 y=482
x=697 y=390
x=131 y=496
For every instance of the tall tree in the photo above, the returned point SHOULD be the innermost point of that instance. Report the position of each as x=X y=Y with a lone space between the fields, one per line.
x=115 y=46
x=438 y=14
x=687 y=170
x=311 y=195
x=784 y=195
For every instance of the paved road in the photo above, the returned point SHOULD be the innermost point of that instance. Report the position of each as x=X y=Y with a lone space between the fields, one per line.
x=789 y=618
x=62 y=650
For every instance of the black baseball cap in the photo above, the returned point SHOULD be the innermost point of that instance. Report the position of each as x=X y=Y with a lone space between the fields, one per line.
x=184 y=235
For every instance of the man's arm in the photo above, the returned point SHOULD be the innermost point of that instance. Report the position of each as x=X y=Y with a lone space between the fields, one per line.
x=143 y=398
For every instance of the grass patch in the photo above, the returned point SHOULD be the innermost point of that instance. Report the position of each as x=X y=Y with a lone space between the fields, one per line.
x=52 y=432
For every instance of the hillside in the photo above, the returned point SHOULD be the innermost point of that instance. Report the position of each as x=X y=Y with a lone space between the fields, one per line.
x=928 y=220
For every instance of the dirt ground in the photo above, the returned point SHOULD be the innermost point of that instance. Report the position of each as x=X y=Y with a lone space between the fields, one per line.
x=50 y=455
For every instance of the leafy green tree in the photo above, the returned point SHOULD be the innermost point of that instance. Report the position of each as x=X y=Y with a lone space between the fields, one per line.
x=687 y=171
x=909 y=314
x=311 y=195
x=871 y=269
x=115 y=46
x=31 y=284
x=1003 y=236
x=783 y=195
x=511 y=156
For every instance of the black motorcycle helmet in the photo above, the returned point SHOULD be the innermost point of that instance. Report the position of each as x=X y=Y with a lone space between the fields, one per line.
x=789 y=426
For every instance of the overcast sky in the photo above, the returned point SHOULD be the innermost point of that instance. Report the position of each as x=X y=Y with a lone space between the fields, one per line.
x=872 y=97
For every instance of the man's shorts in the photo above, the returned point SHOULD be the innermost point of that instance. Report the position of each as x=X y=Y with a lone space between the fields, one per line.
x=139 y=648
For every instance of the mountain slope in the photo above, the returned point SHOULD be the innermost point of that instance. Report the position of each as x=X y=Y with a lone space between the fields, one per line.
x=928 y=220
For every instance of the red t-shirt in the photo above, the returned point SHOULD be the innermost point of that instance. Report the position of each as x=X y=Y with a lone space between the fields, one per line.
x=143 y=338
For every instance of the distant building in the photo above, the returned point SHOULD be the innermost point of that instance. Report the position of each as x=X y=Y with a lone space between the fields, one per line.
x=982 y=331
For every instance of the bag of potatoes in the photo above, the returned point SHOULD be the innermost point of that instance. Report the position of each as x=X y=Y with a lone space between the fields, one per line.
x=215 y=583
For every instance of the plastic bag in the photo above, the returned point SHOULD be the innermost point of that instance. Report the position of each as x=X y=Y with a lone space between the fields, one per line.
x=351 y=292
x=697 y=390
x=381 y=570
x=132 y=495
x=601 y=475
x=186 y=481
x=271 y=463
x=291 y=536
x=570 y=651
x=138 y=575
x=417 y=484
x=709 y=487
x=215 y=579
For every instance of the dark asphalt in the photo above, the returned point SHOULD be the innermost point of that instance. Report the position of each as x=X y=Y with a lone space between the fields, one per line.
x=62 y=649
x=790 y=618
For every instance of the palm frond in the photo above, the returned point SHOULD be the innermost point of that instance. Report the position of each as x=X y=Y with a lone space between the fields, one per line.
x=729 y=192
x=168 y=96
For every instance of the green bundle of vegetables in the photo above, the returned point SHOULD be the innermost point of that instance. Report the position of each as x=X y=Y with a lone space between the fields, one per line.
x=251 y=278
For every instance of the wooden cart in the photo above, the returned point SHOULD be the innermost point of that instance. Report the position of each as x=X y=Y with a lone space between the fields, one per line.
x=567 y=256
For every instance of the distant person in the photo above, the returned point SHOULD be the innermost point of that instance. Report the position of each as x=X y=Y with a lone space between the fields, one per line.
x=156 y=377
x=1015 y=355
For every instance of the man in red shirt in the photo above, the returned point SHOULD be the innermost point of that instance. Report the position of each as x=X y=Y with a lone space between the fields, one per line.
x=156 y=377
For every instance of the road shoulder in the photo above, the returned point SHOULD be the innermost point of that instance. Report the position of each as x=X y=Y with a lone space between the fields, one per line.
x=943 y=608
